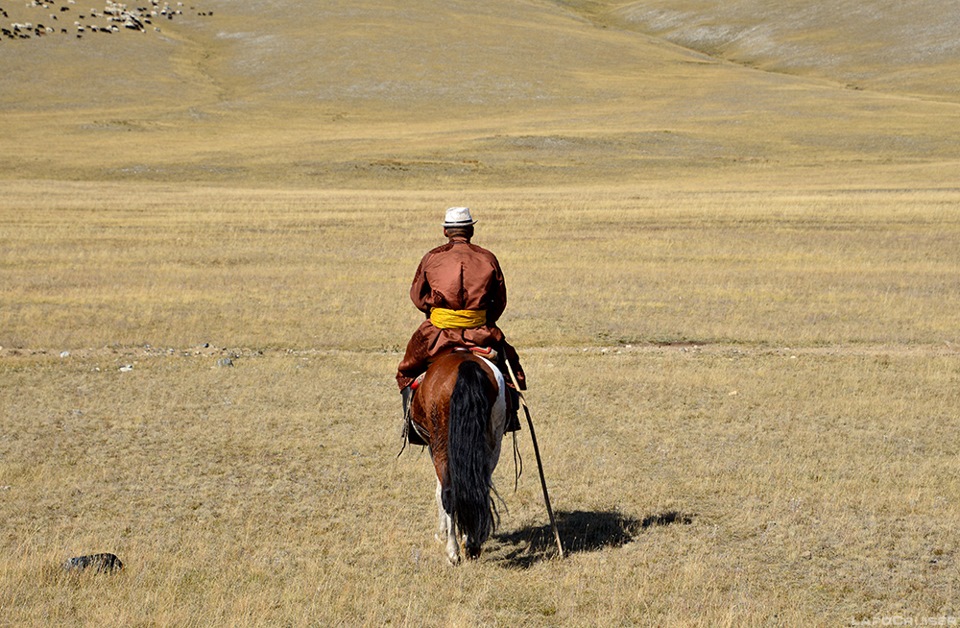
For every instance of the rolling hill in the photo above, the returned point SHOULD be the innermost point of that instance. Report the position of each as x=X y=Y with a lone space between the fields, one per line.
x=500 y=93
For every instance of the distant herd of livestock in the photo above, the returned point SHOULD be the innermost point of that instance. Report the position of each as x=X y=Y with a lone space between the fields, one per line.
x=113 y=17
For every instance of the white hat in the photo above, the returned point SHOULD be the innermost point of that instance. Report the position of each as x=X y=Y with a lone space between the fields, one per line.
x=458 y=217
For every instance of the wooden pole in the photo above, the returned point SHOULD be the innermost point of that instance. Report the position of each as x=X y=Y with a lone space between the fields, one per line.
x=536 y=451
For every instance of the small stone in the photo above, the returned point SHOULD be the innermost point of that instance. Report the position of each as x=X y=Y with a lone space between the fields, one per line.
x=225 y=362
x=64 y=354
x=126 y=368
x=100 y=563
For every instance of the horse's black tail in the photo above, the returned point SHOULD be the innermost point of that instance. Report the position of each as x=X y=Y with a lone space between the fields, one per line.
x=466 y=497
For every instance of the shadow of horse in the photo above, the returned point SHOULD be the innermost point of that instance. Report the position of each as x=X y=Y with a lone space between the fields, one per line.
x=580 y=532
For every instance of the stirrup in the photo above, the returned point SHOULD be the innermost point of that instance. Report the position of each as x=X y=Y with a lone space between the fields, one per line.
x=410 y=432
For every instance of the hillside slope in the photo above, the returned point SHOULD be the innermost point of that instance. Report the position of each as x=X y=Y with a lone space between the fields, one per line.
x=894 y=47
x=429 y=93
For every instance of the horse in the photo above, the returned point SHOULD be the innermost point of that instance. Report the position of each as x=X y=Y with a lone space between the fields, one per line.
x=460 y=410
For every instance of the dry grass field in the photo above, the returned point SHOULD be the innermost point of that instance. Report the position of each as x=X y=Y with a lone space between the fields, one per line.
x=732 y=244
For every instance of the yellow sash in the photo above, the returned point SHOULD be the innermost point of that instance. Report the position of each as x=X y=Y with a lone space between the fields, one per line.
x=443 y=318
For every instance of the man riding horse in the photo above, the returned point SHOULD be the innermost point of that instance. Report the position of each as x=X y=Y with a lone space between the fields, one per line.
x=460 y=288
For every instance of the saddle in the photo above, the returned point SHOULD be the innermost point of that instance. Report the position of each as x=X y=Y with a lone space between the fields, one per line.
x=484 y=352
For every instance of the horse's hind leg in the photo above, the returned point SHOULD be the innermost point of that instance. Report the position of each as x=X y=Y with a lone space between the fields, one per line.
x=442 y=518
x=448 y=530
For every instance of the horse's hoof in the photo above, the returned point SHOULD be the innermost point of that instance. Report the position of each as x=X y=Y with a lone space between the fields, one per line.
x=454 y=560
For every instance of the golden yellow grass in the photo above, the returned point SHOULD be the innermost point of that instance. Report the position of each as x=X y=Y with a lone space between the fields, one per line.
x=89 y=265
x=744 y=399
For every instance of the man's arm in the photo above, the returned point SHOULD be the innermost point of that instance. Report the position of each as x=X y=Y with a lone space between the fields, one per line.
x=420 y=289
x=498 y=300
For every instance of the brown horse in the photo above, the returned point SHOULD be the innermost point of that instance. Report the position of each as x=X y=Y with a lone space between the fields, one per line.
x=460 y=410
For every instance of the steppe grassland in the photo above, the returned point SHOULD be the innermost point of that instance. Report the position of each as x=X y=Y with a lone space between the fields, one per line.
x=744 y=398
x=113 y=264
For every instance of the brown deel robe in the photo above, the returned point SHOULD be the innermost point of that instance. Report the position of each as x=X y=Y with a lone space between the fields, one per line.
x=457 y=276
